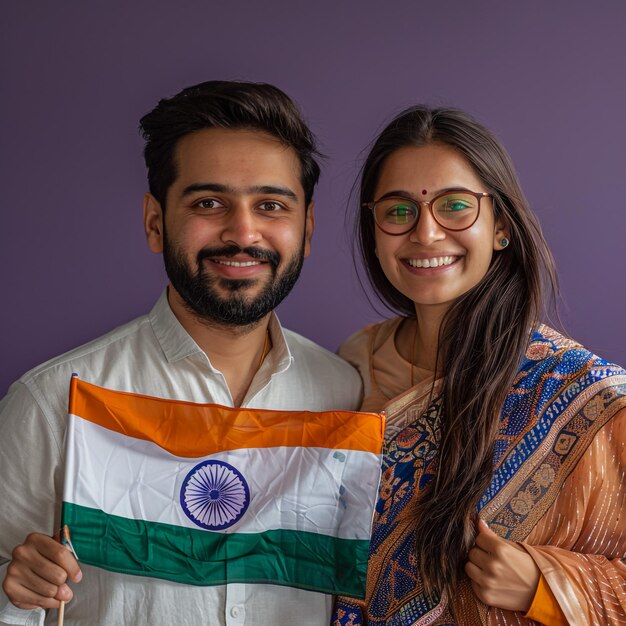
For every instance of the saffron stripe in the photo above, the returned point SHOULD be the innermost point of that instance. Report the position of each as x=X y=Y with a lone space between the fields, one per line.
x=204 y=429
x=196 y=557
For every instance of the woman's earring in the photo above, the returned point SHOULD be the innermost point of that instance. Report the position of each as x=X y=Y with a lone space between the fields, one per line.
x=504 y=242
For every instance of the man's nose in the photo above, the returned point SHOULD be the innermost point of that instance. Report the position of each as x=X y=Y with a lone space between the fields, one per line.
x=241 y=227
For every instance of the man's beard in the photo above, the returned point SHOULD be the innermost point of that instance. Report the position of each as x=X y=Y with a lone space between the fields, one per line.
x=202 y=298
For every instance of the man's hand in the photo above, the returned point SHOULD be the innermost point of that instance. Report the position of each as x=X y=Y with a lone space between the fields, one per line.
x=37 y=573
x=503 y=575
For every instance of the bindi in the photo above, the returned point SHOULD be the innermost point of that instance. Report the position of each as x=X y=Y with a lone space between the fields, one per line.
x=424 y=192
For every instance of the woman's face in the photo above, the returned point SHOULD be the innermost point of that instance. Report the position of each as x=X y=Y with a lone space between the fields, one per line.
x=456 y=261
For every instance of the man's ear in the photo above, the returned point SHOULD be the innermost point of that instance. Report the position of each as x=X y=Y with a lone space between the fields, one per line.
x=501 y=234
x=153 y=222
x=309 y=225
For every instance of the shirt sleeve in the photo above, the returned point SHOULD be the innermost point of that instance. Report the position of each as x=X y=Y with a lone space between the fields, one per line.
x=30 y=466
x=582 y=546
x=545 y=609
x=12 y=616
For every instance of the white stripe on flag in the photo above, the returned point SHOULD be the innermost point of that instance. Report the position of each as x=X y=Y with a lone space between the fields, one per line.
x=143 y=481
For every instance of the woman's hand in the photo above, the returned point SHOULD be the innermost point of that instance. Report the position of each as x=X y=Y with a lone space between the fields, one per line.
x=37 y=573
x=503 y=575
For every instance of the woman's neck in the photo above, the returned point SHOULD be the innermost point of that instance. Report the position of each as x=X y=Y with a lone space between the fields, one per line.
x=418 y=341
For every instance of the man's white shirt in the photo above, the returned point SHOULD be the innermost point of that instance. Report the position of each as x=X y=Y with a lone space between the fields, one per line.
x=153 y=355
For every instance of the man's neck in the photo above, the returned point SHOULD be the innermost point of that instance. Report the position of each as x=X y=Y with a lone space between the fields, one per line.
x=236 y=351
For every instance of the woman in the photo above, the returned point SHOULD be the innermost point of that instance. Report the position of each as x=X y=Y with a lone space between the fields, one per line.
x=490 y=414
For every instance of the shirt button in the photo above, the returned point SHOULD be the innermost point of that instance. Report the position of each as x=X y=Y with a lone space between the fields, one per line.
x=235 y=611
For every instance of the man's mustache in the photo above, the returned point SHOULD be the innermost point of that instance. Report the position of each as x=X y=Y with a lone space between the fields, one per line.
x=229 y=251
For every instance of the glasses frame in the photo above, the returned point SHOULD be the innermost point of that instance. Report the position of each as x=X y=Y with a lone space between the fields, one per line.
x=429 y=203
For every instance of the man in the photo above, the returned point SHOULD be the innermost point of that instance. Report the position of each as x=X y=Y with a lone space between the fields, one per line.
x=231 y=171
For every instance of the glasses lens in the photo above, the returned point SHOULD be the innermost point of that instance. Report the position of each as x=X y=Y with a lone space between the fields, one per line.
x=395 y=214
x=456 y=210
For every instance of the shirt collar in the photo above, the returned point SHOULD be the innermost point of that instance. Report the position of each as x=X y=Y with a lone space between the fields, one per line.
x=280 y=357
x=175 y=341
x=178 y=344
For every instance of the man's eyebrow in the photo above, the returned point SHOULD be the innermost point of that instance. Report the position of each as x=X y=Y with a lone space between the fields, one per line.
x=258 y=189
x=275 y=191
x=216 y=187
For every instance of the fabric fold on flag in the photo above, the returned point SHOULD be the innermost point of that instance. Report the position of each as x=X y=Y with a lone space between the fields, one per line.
x=204 y=494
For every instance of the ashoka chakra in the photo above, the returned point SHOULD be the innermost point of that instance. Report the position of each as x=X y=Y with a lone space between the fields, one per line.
x=214 y=495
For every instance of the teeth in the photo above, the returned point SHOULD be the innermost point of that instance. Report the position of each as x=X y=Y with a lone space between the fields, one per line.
x=434 y=262
x=239 y=263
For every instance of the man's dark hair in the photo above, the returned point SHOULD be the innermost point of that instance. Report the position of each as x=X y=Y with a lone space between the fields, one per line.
x=224 y=104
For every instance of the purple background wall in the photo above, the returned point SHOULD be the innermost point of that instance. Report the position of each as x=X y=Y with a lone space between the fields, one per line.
x=548 y=77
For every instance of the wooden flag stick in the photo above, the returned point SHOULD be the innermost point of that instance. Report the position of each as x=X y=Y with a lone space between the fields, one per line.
x=67 y=542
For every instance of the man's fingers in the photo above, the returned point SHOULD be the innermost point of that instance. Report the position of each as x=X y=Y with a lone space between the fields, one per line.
x=52 y=551
x=64 y=593
x=26 y=561
x=26 y=590
x=38 y=571
x=32 y=579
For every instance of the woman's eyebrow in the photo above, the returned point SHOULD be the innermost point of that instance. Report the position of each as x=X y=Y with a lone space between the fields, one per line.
x=400 y=193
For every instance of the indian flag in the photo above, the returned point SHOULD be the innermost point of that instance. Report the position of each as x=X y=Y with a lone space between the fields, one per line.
x=204 y=494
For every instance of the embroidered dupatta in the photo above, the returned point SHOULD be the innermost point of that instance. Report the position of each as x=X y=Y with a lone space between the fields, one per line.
x=558 y=486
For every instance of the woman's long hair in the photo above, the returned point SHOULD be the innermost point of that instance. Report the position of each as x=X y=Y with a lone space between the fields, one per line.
x=482 y=339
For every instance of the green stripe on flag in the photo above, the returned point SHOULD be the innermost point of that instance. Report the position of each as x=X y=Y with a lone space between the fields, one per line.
x=197 y=557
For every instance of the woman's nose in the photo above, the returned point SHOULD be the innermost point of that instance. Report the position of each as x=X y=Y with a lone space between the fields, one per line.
x=426 y=230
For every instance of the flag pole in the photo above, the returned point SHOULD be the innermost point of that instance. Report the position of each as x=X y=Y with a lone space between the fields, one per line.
x=67 y=542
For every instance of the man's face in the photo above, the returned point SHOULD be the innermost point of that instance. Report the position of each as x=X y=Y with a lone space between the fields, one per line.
x=236 y=229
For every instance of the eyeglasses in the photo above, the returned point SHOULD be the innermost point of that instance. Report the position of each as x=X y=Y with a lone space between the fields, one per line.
x=452 y=210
